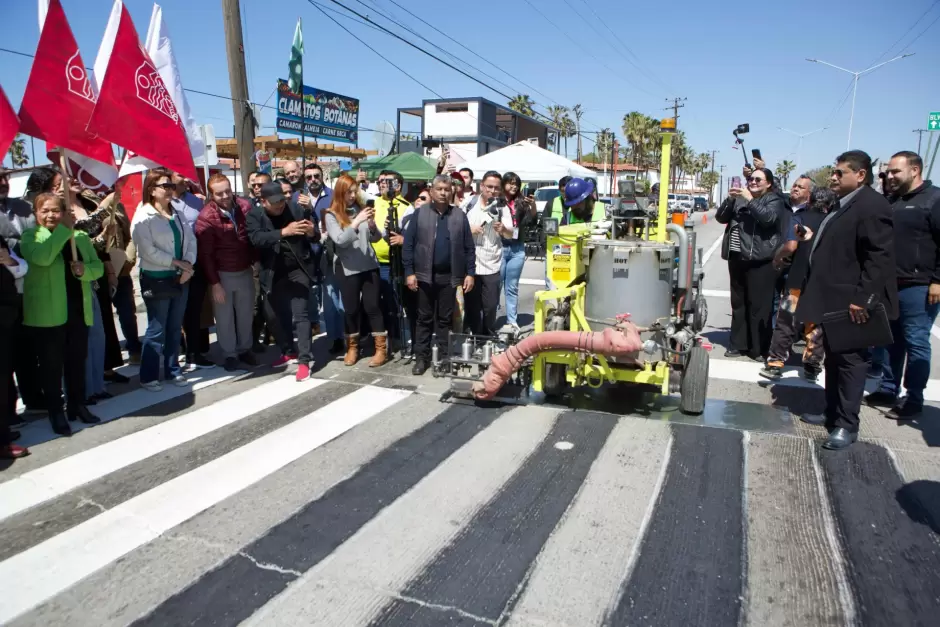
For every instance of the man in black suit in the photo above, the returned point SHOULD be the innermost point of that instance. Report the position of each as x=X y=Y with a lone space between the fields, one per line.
x=851 y=267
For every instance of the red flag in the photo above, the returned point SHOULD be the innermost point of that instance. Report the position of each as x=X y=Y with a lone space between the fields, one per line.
x=9 y=124
x=93 y=175
x=134 y=108
x=59 y=98
x=131 y=190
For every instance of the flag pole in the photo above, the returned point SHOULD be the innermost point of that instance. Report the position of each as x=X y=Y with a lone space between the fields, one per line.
x=67 y=192
x=303 y=110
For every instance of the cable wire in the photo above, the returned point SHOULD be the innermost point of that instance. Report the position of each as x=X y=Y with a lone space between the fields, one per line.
x=912 y=27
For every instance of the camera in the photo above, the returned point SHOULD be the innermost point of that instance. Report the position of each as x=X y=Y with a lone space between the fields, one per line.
x=742 y=129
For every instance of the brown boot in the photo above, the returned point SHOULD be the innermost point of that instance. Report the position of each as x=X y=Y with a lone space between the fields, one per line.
x=381 y=349
x=352 y=350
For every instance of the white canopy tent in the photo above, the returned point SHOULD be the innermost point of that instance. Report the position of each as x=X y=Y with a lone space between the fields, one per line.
x=527 y=160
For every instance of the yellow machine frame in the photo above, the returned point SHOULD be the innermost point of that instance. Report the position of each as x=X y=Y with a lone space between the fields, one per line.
x=565 y=262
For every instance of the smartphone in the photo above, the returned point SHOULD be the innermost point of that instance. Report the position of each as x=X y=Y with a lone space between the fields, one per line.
x=755 y=152
x=370 y=204
x=800 y=230
x=736 y=181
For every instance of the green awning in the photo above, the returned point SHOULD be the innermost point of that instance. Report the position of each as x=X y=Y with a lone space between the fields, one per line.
x=412 y=166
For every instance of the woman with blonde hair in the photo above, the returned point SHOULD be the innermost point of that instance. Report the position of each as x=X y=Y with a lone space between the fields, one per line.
x=351 y=228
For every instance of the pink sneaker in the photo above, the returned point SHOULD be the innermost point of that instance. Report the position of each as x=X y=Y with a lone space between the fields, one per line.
x=281 y=361
x=303 y=372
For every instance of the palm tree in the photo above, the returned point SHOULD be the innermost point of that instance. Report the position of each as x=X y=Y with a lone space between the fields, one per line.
x=577 y=111
x=603 y=144
x=567 y=130
x=783 y=171
x=642 y=133
x=556 y=114
x=523 y=104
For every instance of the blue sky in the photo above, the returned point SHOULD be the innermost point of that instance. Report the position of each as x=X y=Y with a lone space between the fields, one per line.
x=734 y=61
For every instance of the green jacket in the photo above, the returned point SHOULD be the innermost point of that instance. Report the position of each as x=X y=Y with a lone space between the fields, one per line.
x=44 y=296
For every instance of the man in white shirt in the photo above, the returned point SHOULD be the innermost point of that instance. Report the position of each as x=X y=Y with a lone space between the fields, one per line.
x=489 y=224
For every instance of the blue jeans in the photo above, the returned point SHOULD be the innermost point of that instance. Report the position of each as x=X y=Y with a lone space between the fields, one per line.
x=510 y=273
x=94 y=361
x=127 y=313
x=333 y=312
x=162 y=337
x=911 y=333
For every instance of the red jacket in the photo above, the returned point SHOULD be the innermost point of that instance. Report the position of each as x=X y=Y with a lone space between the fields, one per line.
x=222 y=247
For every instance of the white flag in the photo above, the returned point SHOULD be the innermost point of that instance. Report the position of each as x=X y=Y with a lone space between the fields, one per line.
x=160 y=49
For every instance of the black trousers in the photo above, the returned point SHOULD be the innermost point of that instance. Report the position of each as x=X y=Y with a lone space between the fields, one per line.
x=436 y=302
x=7 y=332
x=62 y=348
x=26 y=367
x=480 y=304
x=196 y=339
x=290 y=294
x=112 y=345
x=361 y=292
x=753 y=285
x=845 y=386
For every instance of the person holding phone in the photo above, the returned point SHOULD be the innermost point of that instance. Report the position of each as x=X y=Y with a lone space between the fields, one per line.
x=753 y=232
x=352 y=229
x=489 y=223
x=523 y=213
x=282 y=234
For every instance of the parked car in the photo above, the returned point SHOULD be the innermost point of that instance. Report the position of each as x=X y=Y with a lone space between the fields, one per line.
x=544 y=196
x=700 y=204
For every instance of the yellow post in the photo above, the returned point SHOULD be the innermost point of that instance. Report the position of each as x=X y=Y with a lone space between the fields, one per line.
x=667 y=128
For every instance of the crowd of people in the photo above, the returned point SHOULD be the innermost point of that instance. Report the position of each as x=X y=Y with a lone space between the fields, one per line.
x=798 y=263
x=289 y=259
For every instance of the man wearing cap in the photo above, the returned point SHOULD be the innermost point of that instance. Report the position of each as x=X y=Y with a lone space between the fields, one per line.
x=283 y=233
x=580 y=200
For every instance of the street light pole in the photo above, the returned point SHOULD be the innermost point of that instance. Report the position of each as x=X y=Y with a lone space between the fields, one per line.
x=799 y=146
x=855 y=78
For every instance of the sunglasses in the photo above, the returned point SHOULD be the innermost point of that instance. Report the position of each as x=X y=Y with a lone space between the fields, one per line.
x=166 y=185
x=838 y=173
x=314 y=177
x=756 y=179
x=424 y=198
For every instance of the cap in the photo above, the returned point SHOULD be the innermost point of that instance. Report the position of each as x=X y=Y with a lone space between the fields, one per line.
x=272 y=193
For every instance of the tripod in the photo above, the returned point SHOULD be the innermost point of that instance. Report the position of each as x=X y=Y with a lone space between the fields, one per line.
x=397 y=274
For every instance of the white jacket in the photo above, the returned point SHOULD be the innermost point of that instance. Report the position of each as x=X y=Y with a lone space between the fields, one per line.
x=489 y=244
x=153 y=238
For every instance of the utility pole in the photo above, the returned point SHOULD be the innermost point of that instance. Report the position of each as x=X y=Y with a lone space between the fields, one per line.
x=675 y=114
x=920 y=136
x=721 y=184
x=238 y=82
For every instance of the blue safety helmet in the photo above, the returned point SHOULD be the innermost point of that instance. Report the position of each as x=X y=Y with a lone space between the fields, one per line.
x=577 y=190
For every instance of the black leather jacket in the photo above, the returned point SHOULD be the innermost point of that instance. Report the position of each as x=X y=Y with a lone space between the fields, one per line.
x=761 y=224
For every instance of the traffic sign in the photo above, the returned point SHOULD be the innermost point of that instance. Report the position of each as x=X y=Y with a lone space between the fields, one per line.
x=933 y=121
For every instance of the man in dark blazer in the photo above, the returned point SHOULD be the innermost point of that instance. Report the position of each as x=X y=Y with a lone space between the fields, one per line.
x=851 y=267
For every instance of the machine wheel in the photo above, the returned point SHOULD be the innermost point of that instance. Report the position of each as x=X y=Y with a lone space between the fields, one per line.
x=555 y=383
x=694 y=387
x=700 y=315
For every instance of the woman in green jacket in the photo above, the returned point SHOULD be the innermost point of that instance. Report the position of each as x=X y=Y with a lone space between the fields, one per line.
x=57 y=307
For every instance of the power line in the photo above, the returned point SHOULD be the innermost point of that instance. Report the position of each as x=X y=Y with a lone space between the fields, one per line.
x=912 y=26
x=616 y=39
x=921 y=34
x=588 y=52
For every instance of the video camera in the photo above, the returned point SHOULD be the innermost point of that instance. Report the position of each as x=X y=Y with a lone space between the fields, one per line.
x=742 y=129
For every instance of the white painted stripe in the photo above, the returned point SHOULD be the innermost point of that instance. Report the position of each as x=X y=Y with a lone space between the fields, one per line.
x=935 y=331
x=58 y=478
x=537 y=282
x=711 y=250
x=716 y=293
x=747 y=372
x=839 y=566
x=129 y=403
x=47 y=569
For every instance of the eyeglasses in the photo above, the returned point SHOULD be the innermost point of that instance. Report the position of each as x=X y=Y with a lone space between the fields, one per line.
x=257 y=184
x=492 y=188
x=314 y=177
x=167 y=186
x=756 y=179
x=838 y=173
x=424 y=198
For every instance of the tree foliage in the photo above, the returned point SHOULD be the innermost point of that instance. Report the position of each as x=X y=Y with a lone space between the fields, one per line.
x=820 y=175
x=783 y=171
x=523 y=104
x=17 y=152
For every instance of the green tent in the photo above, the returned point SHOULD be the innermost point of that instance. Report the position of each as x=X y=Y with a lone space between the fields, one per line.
x=412 y=166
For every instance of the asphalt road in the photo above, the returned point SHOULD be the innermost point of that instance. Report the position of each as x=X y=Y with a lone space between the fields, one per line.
x=360 y=497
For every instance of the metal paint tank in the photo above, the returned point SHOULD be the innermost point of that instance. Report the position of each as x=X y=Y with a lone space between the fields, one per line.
x=630 y=276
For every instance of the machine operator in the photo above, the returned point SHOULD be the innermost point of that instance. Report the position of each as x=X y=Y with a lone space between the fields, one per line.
x=580 y=200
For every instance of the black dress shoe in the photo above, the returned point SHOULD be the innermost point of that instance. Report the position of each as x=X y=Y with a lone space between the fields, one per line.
x=813 y=419
x=839 y=439
x=60 y=424
x=248 y=359
x=82 y=413
x=907 y=411
x=733 y=353
x=420 y=367
x=881 y=398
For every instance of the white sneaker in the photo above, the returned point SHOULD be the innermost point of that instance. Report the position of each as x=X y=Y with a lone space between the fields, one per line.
x=180 y=381
x=152 y=386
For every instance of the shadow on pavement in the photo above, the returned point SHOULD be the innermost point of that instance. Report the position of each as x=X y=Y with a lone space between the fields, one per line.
x=920 y=500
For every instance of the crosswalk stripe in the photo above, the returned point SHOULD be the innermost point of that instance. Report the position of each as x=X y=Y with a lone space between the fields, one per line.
x=893 y=558
x=492 y=557
x=788 y=544
x=363 y=573
x=47 y=569
x=581 y=569
x=58 y=478
x=129 y=404
x=690 y=570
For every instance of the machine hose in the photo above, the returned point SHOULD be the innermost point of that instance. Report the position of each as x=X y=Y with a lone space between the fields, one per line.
x=624 y=341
